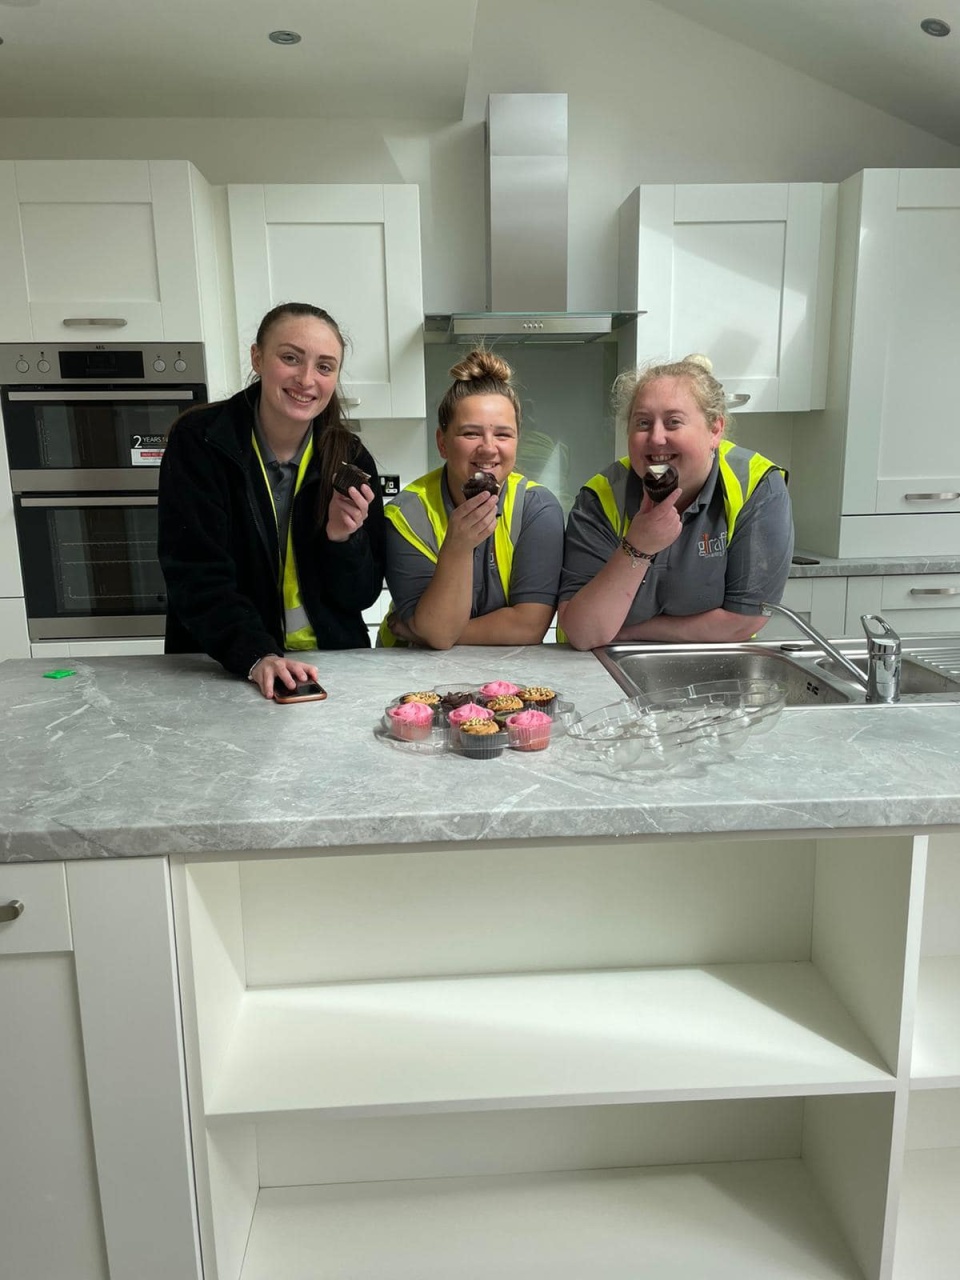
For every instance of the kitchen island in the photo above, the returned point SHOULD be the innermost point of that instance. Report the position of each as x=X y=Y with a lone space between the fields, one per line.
x=431 y=1016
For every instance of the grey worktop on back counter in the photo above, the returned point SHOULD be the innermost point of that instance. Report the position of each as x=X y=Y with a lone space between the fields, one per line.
x=148 y=755
x=827 y=567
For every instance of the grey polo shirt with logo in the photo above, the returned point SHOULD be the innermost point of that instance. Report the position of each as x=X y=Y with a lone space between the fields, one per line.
x=537 y=559
x=699 y=571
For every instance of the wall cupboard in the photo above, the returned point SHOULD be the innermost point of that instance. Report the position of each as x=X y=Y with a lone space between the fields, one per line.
x=741 y=272
x=878 y=473
x=355 y=251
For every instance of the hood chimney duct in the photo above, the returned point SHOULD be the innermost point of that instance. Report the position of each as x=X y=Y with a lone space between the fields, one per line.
x=527 y=176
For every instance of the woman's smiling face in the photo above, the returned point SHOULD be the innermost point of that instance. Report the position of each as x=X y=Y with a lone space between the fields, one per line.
x=666 y=425
x=482 y=436
x=298 y=364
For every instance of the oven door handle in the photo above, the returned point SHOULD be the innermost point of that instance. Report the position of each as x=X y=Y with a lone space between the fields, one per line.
x=65 y=397
x=110 y=501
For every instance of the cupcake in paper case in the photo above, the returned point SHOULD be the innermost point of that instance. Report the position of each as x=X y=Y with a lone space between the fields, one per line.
x=499 y=689
x=469 y=711
x=505 y=705
x=529 y=730
x=538 y=697
x=481 y=739
x=426 y=696
x=411 y=721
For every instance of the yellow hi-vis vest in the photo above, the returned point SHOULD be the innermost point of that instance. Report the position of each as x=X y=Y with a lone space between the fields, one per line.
x=418 y=514
x=741 y=471
x=298 y=633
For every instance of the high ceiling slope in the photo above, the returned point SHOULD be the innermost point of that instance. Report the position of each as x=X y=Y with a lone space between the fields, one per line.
x=872 y=49
x=360 y=58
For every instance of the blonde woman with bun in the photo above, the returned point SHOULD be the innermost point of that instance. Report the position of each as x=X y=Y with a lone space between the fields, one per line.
x=474 y=549
x=696 y=564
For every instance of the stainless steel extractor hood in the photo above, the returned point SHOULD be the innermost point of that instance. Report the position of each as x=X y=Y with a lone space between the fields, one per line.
x=527 y=182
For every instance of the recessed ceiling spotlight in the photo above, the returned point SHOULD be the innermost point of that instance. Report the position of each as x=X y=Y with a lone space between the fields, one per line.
x=935 y=27
x=294 y=37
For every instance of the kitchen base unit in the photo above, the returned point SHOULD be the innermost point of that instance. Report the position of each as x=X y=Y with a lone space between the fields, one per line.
x=622 y=1058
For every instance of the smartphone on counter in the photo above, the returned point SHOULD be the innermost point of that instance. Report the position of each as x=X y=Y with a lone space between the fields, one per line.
x=309 y=692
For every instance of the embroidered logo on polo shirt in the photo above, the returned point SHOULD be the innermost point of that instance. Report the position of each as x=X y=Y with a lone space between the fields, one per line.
x=709 y=548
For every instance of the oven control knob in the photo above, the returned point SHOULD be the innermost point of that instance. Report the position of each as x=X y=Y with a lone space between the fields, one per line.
x=159 y=366
x=180 y=365
x=22 y=366
x=43 y=366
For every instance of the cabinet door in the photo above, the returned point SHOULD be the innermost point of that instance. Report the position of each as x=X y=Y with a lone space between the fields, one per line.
x=903 y=449
x=353 y=250
x=50 y=1223
x=98 y=249
x=913 y=604
x=734 y=271
x=819 y=601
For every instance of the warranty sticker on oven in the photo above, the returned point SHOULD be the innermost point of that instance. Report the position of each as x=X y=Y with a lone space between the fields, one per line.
x=146 y=451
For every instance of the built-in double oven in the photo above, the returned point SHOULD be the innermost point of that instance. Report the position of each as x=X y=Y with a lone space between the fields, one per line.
x=86 y=425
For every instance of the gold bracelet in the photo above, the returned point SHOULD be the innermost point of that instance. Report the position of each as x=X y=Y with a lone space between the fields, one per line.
x=633 y=554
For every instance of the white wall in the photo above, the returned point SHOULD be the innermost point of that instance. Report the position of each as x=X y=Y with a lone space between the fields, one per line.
x=653 y=98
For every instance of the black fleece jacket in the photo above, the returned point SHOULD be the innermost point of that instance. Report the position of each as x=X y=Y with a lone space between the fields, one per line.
x=219 y=548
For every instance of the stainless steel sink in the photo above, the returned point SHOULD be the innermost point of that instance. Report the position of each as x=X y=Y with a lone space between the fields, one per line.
x=930 y=669
x=645 y=671
x=916 y=678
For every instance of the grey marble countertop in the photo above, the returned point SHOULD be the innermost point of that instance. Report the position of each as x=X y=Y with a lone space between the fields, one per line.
x=141 y=756
x=827 y=567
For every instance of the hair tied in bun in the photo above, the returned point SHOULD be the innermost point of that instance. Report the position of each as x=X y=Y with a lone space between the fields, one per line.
x=698 y=358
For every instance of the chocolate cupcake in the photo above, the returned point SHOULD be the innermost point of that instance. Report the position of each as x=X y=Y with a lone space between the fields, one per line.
x=349 y=477
x=538 y=697
x=481 y=739
x=659 y=481
x=454 y=698
x=480 y=482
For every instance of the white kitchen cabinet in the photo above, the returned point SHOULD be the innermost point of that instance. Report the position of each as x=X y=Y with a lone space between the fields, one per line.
x=913 y=604
x=742 y=273
x=666 y=1060
x=107 y=251
x=95 y=1152
x=14 y=638
x=878 y=473
x=355 y=252
x=95 y=648
x=819 y=601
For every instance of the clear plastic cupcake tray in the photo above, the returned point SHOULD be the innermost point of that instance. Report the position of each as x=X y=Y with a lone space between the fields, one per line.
x=441 y=737
x=698 y=724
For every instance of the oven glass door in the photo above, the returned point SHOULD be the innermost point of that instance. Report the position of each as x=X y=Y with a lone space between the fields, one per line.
x=90 y=565
x=90 y=438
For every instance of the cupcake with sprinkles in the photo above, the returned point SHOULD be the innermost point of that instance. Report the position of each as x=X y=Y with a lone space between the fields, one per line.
x=481 y=739
x=539 y=697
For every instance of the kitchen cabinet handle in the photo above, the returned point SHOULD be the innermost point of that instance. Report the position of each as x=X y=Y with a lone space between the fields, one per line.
x=935 y=591
x=931 y=497
x=10 y=911
x=351 y=402
x=98 y=322
x=69 y=397
x=104 y=501
x=737 y=401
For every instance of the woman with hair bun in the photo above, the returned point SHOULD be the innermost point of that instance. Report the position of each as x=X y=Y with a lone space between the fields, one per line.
x=683 y=539
x=271 y=521
x=474 y=549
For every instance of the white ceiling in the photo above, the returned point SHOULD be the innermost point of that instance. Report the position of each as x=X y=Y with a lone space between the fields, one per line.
x=158 y=58
x=409 y=58
x=873 y=49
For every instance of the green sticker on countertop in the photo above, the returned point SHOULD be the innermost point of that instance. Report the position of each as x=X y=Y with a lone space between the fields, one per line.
x=57 y=675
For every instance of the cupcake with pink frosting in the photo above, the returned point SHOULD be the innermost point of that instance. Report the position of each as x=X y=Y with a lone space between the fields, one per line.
x=469 y=711
x=529 y=730
x=411 y=721
x=499 y=689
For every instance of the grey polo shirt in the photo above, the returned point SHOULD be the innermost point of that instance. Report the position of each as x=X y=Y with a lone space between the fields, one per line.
x=537 y=559
x=282 y=477
x=699 y=571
